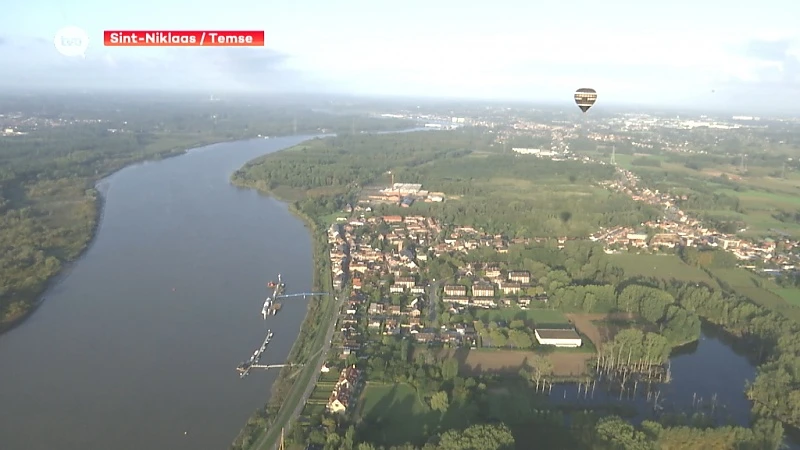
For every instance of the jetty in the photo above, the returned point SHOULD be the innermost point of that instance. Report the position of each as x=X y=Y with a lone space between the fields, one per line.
x=244 y=368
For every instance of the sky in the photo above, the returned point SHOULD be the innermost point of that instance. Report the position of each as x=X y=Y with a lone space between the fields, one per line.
x=682 y=53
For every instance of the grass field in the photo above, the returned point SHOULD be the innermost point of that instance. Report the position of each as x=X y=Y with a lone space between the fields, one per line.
x=791 y=295
x=762 y=291
x=660 y=266
x=537 y=316
x=762 y=196
x=402 y=415
x=313 y=409
x=759 y=205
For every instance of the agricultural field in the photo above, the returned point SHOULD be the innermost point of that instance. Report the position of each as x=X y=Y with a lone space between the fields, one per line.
x=760 y=205
x=762 y=291
x=791 y=295
x=566 y=363
x=535 y=315
x=660 y=266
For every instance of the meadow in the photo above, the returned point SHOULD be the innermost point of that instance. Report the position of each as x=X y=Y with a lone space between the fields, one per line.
x=536 y=316
x=399 y=412
x=666 y=267
x=762 y=291
x=762 y=191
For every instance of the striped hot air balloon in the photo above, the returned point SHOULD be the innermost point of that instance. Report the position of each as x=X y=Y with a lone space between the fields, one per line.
x=585 y=98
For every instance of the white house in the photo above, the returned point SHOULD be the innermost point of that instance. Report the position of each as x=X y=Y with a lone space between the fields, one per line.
x=558 y=337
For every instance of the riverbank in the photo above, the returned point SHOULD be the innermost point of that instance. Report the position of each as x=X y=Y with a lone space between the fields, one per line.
x=264 y=427
x=36 y=296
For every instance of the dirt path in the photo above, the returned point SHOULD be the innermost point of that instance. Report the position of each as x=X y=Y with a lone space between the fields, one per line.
x=585 y=324
x=569 y=364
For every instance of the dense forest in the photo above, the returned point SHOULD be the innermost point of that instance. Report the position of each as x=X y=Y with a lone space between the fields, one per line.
x=514 y=195
x=48 y=204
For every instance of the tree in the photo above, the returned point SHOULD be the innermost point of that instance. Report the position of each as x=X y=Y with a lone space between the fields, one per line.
x=450 y=369
x=478 y=437
x=613 y=433
x=440 y=402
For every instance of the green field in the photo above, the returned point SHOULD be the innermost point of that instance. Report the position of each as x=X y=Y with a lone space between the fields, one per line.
x=760 y=205
x=538 y=316
x=313 y=409
x=761 y=195
x=660 y=266
x=762 y=291
x=403 y=416
x=320 y=394
x=791 y=295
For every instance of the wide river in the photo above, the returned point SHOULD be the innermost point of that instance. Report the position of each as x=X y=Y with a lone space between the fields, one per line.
x=136 y=347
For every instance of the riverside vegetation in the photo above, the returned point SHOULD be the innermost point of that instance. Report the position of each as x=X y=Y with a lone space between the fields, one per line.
x=49 y=206
x=508 y=195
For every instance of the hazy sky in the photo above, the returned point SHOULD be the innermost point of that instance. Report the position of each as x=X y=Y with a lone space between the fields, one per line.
x=632 y=51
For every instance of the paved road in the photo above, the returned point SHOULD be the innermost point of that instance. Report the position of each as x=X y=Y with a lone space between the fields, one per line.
x=433 y=300
x=433 y=297
x=326 y=346
x=312 y=382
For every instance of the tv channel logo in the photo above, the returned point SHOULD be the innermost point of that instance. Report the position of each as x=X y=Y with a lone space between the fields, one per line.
x=71 y=41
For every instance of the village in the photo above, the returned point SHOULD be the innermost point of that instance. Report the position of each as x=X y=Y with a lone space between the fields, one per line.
x=679 y=229
x=379 y=259
x=390 y=294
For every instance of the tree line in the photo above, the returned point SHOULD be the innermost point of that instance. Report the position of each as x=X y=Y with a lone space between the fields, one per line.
x=537 y=198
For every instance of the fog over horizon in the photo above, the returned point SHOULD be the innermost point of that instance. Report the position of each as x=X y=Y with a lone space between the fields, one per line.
x=720 y=58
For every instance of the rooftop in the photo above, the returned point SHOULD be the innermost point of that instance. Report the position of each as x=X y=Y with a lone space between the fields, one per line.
x=550 y=333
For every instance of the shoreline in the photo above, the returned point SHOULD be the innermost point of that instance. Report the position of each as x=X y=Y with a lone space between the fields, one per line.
x=283 y=388
x=99 y=206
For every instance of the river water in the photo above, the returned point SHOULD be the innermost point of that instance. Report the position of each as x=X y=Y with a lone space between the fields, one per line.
x=136 y=348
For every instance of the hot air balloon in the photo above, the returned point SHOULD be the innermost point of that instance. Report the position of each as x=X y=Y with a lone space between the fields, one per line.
x=585 y=98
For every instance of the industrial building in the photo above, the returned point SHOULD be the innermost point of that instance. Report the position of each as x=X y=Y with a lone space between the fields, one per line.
x=558 y=337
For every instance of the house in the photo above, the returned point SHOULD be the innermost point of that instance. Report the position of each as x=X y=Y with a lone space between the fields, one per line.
x=391 y=327
x=342 y=391
x=393 y=219
x=337 y=405
x=406 y=282
x=558 y=337
x=510 y=287
x=492 y=271
x=425 y=336
x=457 y=300
x=520 y=276
x=483 y=290
x=395 y=310
x=396 y=289
x=455 y=290
x=524 y=302
x=484 y=302
x=375 y=308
